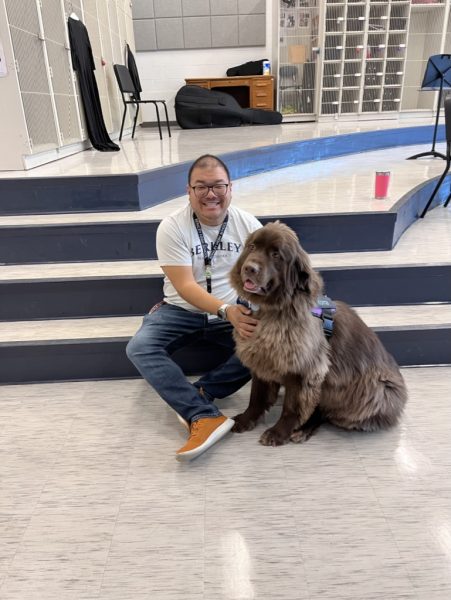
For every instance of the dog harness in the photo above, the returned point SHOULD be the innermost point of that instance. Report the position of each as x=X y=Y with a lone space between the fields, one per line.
x=325 y=310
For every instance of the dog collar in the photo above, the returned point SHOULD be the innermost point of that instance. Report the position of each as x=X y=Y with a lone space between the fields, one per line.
x=247 y=304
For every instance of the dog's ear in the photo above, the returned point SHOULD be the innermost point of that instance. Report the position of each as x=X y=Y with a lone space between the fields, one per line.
x=235 y=272
x=302 y=277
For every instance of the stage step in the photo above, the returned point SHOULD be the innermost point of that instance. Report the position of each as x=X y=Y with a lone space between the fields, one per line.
x=324 y=221
x=131 y=288
x=94 y=348
x=136 y=240
x=144 y=187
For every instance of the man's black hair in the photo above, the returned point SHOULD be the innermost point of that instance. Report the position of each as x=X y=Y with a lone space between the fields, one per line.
x=207 y=160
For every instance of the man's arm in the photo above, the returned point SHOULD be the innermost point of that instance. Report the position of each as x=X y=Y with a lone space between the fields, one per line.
x=183 y=281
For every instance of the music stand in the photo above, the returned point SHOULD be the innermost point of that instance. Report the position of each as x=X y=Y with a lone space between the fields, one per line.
x=447 y=106
x=436 y=77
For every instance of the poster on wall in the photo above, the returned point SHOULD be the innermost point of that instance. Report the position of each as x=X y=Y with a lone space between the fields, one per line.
x=304 y=19
x=290 y=19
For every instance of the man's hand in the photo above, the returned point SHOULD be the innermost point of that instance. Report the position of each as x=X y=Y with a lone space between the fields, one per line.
x=242 y=320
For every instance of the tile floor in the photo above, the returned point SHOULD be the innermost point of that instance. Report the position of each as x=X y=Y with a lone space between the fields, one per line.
x=94 y=506
x=147 y=151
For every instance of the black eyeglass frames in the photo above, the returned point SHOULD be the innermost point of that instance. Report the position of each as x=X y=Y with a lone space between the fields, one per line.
x=201 y=191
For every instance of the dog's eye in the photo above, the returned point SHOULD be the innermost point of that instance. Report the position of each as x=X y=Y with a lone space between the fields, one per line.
x=251 y=247
x=275 y=254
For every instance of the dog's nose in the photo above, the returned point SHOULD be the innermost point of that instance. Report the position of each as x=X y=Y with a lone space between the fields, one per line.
x=251 y=269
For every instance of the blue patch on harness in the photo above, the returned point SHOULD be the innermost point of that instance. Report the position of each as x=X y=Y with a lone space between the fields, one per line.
x=325 y=310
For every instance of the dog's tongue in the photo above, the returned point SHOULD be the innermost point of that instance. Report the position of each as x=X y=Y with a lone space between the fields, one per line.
x=250 y=286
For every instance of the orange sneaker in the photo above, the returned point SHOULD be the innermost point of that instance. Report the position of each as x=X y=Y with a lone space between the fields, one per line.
x=203 y=434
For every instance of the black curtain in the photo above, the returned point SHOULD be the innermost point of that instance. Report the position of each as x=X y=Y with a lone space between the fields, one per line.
x=83 y=64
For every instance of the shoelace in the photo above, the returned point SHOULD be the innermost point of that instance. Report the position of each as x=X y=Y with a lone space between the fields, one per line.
x=194 y=429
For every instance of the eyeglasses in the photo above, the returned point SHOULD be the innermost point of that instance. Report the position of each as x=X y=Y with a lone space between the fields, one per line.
x=201 y=191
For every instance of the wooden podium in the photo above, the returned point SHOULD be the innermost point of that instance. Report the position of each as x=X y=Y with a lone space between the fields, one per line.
x=254 y=91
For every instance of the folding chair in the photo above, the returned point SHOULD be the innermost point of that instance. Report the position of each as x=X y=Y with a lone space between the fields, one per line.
x=126 y=86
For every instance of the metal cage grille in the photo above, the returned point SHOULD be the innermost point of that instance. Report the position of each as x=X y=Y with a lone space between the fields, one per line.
x=23 y=15
x=40 y=121
x=49 y=88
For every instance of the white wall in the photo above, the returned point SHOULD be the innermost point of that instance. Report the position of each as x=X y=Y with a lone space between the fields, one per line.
x=163 y=72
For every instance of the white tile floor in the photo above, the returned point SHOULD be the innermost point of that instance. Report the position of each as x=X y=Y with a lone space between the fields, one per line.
x=93 y=505
x=147 y=151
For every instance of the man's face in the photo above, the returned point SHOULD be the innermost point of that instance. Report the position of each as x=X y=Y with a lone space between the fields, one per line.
x=210 y=207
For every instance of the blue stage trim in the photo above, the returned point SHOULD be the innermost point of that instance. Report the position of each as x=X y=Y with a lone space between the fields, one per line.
x=257 y=160
x=149 y=188
x=244 y=163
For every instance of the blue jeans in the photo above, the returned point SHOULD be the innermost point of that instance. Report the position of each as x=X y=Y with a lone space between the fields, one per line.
x=170 y=328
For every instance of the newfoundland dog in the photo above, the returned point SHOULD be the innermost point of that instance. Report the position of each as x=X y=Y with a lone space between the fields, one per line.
x=347 y=379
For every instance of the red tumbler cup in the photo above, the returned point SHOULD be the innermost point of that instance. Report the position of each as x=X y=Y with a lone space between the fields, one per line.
x=381 y=184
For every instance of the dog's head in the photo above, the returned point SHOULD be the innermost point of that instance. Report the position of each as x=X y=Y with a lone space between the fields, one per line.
x=273 y=267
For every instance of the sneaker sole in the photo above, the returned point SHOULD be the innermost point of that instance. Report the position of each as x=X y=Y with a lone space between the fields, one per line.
x=217 y=434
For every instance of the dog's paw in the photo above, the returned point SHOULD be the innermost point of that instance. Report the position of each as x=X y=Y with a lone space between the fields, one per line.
x=242 y=423
x=272 y=437
x=300 y=436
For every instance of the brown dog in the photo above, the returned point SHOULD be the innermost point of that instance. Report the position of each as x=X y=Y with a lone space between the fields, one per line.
x=349 y=380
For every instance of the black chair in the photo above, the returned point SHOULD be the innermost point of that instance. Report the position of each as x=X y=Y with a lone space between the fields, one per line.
x=127 y=86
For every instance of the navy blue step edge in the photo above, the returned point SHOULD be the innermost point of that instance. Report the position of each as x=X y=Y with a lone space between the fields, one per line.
x=36 y=195
x=127 y=296
x=341 y=232
x=346 y=232
x=79 y=360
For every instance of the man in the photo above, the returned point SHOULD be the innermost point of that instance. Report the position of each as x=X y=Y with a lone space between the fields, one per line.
x=197 y=246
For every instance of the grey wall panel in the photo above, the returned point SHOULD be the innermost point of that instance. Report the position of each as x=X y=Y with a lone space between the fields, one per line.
x=224 y=31
x=251 y=30
x=224 y=7
x=145 y=37
x=251 y=7
x=143 y=9
x=197 y=24
x=197 y=32
x=195 y=8
x=169 y=34
x=167 y=8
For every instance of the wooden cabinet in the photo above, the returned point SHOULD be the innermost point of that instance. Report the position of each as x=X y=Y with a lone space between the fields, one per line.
x=256 y=91
x=262 y=92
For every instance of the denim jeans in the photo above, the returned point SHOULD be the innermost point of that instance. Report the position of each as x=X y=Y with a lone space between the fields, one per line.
x=170 y=328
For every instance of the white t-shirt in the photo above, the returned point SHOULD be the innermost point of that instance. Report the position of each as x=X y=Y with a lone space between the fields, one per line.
x=178 y=245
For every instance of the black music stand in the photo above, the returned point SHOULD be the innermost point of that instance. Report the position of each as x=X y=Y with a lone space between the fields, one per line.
x=436 y=77
x=447 y=105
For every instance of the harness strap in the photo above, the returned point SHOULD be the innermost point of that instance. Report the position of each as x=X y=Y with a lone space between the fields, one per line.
x=325 y=310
